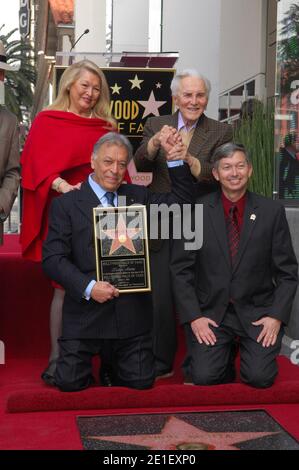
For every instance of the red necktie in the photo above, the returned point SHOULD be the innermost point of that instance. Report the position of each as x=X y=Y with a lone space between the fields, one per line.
x=233 y=232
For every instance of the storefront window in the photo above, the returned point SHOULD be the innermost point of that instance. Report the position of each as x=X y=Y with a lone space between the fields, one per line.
x=287 y=103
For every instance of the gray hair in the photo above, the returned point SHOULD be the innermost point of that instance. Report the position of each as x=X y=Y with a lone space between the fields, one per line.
x=227 y=150
x=176 y=81
x=113 y=138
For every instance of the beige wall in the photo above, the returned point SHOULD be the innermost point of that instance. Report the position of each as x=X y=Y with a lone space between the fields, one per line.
x=130 y=25
x=90 y=14
x=192 y=27
x=243 y=42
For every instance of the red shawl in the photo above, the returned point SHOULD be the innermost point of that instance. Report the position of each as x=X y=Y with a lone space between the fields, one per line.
x=59 y=144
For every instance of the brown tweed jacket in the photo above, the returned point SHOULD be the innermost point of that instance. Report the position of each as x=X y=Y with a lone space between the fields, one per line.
x=9 y=163
x=207 y=136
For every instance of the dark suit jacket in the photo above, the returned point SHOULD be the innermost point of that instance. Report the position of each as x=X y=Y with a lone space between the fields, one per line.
x=69 y=259
x=9 y=163
x=207 y=136
x=264 y=279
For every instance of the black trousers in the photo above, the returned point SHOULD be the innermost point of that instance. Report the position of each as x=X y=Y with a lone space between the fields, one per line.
x=164 y=321
x=211 y=365
x=132 y=362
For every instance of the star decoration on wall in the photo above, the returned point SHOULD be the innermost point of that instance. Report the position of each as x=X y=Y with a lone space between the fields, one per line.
x=177 y=434
x=151 y=106
x=121 y=236
x=136 y=82
x=116 y=89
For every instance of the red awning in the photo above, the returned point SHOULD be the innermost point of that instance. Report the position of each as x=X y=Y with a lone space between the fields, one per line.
x=63 y=11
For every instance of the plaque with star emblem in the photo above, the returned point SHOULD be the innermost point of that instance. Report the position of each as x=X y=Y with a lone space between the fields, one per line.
x=121 y=247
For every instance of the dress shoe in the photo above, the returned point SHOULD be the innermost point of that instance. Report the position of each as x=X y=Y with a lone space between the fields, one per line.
x=188 y=380
x=48 y=375
x=165 y=374
x=106 y=376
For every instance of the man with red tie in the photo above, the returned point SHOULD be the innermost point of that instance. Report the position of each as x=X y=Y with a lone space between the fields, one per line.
x=240 y=283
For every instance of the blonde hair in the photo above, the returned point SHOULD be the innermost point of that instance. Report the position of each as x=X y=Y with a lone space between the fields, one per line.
x=70 y=76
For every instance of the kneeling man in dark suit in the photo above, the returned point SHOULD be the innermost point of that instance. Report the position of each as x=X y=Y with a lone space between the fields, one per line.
x=96 y=319
x=240 y=283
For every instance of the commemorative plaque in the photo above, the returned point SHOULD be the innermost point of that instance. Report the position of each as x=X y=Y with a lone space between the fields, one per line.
x=121 y=247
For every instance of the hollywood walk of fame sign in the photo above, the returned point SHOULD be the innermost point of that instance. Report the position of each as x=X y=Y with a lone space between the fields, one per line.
x=137 y=94
x=121 y=247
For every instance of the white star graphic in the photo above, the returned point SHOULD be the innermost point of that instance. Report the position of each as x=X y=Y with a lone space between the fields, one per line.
x=151 y=106
x=115 y=89
x=136 y=82
x=177 y=434
x=158 y=85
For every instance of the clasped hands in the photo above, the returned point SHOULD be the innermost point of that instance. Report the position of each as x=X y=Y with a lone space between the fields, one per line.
x=170 y=140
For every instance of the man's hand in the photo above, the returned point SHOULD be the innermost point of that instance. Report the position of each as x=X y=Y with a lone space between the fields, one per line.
x=271 y=328
x=103 y=291
x=194 y=165
x=169 y=137
x=203 y=332
x=166 y=138
x=177 y=152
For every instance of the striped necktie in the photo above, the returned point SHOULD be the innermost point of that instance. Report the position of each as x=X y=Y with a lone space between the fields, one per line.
x=110 y=198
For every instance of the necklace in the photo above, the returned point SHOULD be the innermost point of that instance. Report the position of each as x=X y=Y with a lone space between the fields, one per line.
x=87 y=117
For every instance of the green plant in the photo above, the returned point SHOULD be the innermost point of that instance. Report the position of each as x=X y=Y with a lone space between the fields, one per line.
x=18 y=85
x=288 y=46
x=255 y=131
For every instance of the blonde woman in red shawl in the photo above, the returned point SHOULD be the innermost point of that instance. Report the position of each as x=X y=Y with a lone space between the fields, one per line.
x=56 y=159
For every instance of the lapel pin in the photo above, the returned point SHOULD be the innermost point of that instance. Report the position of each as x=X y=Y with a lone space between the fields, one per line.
x=252 y=217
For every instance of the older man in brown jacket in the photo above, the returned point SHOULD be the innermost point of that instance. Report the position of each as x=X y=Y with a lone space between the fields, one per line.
x=201 y=135
x=9 y=150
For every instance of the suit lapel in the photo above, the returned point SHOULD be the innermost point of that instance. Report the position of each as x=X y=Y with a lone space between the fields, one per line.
x=249 y=221
x=173 y=120
x=216 y=215
x=87 y=200
x=200 y=136
x=124 y=198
